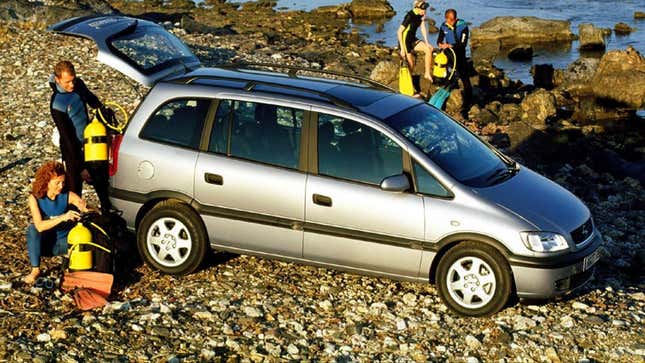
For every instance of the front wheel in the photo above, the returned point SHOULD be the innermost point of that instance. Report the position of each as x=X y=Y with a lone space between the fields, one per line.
x=172 y=239
x=474 y=279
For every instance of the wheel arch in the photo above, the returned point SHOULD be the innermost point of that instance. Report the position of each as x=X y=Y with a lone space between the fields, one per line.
x=154 y=198
x=449 y=242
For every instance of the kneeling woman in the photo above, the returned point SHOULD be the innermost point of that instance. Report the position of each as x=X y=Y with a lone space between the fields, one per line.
x=52 y=221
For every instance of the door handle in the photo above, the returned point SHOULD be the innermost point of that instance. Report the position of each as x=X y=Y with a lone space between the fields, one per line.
x=213 y=179
x=322 y=200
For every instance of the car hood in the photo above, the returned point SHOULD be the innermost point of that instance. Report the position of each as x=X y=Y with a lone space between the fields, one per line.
x=539 y=201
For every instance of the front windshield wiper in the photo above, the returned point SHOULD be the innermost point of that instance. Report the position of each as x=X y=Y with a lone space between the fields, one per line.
x=503 y=173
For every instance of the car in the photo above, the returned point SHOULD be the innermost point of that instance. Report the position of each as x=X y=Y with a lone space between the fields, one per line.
x=342 y=173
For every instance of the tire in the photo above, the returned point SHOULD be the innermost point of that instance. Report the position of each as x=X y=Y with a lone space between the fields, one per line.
x=474 y=293
x=172 y=239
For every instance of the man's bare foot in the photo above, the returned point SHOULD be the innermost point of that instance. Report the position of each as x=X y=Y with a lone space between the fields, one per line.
x=33 y=275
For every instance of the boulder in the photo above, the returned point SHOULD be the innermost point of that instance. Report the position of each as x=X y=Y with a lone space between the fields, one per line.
x=621 y=78
x=25 y=10
x=639 y=15
x=623 y=29
x=578 y=76
x=371 y=9
x=511 y=30
x=538 y=107
x=510 y=113
x=386 y=72
x=521 y=53
x=339 y=11
x=543 y=76
x=590 y=37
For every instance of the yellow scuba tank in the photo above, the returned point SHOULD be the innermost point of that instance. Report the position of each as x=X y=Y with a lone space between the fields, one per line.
x=80 y=257
x=440 y=69
x=95 y=140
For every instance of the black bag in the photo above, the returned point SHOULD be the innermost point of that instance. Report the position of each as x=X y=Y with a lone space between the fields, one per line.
x=110 y=231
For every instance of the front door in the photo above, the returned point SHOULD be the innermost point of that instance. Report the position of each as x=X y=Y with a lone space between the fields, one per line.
x=350 y=221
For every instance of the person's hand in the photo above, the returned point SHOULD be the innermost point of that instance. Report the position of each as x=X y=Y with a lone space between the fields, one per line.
x=71 y=215
x=82 y=206
x=444 y=46
x=86 y=176
x=402 y=53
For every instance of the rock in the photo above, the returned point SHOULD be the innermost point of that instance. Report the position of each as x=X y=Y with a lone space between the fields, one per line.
x=484 y=54
x=43 y=338
x=292 y=349
x=552 y=355
x=473 y=343
x=623 y=29
x=538 y=107
x=387 y=73
x=5 y=286
x=252 y=312
x=521 y=53
x=58 y=334
x=639 y=15
x=590 y=37
x=410 y=299
x=371 y=9
x=581 y=70
x=567 y=321
x=618 y=323
x=203 y=315
x=509 y=30
x=523 y=323
x=578 y=305
x=55 y=11
x=621 y=78
x=485 y=117
x=543 y=76
x=510 y=112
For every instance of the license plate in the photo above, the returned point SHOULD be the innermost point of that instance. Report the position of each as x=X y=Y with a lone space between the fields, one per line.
x=591 y=260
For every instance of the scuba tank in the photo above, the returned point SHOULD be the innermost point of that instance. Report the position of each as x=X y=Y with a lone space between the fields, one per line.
x=440 y=68
x=95 y=140
x=80 y=244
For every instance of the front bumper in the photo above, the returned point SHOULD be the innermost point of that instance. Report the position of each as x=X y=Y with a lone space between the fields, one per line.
x=545 y=278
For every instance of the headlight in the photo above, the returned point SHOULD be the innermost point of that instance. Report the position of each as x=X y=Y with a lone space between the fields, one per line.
x=544 y=241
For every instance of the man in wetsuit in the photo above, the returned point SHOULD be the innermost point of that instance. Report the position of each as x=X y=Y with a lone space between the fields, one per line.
x=454 y=33
x=69 y=111
x=408 y=41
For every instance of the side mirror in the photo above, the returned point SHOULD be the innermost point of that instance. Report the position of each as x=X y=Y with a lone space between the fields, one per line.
x=396 y=183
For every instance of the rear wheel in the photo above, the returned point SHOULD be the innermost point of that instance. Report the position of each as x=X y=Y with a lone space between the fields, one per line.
x=172 y=238
x=474 y=279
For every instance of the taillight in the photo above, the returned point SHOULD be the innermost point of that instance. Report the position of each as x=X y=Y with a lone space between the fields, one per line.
x=114 y=154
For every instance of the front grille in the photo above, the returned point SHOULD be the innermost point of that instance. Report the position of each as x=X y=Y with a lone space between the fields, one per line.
x=583 y=232
x=574 y=281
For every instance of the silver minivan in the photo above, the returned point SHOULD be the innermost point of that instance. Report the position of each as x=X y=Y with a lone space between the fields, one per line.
x=345 y=175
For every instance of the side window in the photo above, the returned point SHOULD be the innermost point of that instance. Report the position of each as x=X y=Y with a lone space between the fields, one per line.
x=178 y=122
x=350 y=150
x=219 y=135
x=427 y=184
x=266 y=133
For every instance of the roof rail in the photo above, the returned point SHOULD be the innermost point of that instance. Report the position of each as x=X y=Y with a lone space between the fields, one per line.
x=293 y=72
x=250 y=85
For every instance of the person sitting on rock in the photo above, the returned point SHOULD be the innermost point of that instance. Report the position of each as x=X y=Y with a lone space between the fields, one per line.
x=48 y=203
x=408 y=41
x=454 y=33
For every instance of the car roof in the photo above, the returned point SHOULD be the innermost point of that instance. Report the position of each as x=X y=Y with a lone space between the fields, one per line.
x=371 y=99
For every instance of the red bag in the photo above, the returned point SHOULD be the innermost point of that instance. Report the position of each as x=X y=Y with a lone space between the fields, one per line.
x=88 y=299
x=98 y=281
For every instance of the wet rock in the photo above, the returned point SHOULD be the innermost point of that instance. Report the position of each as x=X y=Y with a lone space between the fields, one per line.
x=387 y=73
x=538 y=107
x=639 y=15
x=623 y=29
x=371 y=9
x=509 y=30
x=590 y=37
x=521 y=53
x=621 y=77
x=543 y=76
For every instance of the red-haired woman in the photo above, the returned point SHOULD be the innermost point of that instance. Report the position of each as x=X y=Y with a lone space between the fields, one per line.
x=48 y=204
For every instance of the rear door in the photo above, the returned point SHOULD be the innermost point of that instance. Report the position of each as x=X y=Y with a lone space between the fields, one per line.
x=140 y=49
x=249 y=184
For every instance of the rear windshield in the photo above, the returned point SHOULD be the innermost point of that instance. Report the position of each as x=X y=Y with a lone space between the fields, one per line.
x=151 y=48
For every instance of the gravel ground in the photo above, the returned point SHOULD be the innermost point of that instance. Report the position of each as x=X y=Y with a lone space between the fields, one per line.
x=250 y=309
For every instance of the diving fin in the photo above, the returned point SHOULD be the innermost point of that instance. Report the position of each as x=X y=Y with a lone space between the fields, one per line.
x=439 y=98
x=406 y=86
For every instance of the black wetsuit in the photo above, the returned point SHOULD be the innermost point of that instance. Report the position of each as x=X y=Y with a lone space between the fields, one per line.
x=411 y=24
x=69 y=112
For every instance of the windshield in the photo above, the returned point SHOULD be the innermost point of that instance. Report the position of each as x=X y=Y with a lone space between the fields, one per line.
x=151 y=48
x=449 y=145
